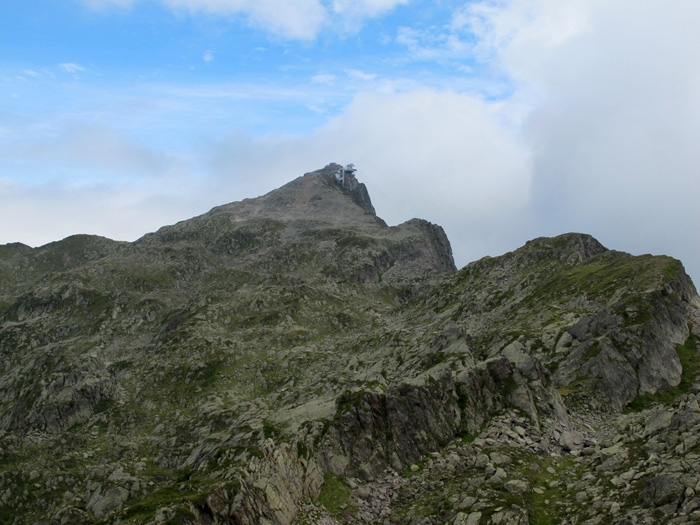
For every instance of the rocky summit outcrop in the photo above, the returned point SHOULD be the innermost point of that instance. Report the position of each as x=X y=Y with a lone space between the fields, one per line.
x=292 y=359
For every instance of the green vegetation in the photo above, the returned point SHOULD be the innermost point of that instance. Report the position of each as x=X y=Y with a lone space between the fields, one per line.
x=7 y=515
x=603 y=276
x=146 y=278
x=270 y=430
x=544 y=508
x=302 y=450
x=357 y=241
x=335 y=496
x=577 y=386
x=591 y=352
x=690 y=361
x=349 y=400
x=186 y=494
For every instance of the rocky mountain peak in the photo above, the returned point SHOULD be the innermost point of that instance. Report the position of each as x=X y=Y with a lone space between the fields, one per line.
x=322 y=223
x=570 y=247
x=345 y=177
x=320 y=194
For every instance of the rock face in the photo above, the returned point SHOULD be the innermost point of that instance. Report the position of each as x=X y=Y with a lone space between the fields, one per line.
x=291 y=358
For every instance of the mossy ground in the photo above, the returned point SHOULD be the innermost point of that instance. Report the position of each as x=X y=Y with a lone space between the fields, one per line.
x=335 y=496
x=442 y=494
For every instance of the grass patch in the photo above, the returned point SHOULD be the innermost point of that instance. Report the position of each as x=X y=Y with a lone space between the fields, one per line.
x=356 y=241
x=579 y=385
x=183 y=493
x=591 y=352
x=335 y=495
x=602 y=276
x=349 y=400
x=409 y=473
x=690 y=361
x=543 y=508
x=270 y=429
x=7 y=515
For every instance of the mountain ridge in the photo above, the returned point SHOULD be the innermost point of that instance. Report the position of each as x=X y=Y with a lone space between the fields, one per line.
x=291 y=358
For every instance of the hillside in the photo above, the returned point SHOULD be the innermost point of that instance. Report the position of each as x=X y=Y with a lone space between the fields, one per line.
x=291 y=358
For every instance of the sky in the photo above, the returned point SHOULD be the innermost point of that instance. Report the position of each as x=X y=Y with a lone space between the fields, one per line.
x=500 y=120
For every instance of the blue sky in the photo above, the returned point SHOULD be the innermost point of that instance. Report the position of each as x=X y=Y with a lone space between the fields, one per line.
x=118 y=62
x=501 y=120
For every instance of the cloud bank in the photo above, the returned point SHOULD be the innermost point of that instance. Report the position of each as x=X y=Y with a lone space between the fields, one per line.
x=615 y=116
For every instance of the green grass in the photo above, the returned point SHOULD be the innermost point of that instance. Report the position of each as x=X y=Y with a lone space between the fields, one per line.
x=543 y=509
x=580 y=384
x=690 y=361
x=671 y=271
x=534 y=470
x=591 y=352
x=334 y=494
x=183 y=491
x=605 y=274
x=146 y=278
x=357 y=241
x=7 y=515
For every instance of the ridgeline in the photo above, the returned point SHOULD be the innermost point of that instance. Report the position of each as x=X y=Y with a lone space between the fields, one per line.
x=293 y=359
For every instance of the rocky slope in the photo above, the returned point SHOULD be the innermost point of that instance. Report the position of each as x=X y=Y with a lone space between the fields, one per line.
x=291 y=358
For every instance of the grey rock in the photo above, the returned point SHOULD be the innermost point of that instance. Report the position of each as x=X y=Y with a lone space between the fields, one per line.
x=474 y=518
x=112 y=500
x=510 y=517
x=498 y=458
x=571 y=440
x=662 y=490
x=661 y=419
x=517 y=486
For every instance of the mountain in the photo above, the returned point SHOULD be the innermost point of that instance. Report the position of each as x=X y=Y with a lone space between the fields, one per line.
x=291 y=358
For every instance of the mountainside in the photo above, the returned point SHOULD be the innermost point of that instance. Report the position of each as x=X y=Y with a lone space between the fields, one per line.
x=291 y=358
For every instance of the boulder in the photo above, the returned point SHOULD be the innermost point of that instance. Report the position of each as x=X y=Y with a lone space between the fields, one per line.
x=571 y=440
x=662 y=490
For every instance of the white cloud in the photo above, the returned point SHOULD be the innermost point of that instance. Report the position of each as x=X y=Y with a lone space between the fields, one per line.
x=47 y=213
x=515 y=23
x=365 y=8
x=323 y=78
x=208 y=56
x=409 y=37
x=296 y=19
x=446 y=147
x=293 y=19
x=99 y=151
x=105 y=4
x=361 y=75
x=431 y=45
x=70 y=67
x=89 y=180
x=439 y=155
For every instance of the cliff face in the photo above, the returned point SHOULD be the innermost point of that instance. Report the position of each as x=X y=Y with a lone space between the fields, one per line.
x=291 y=356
